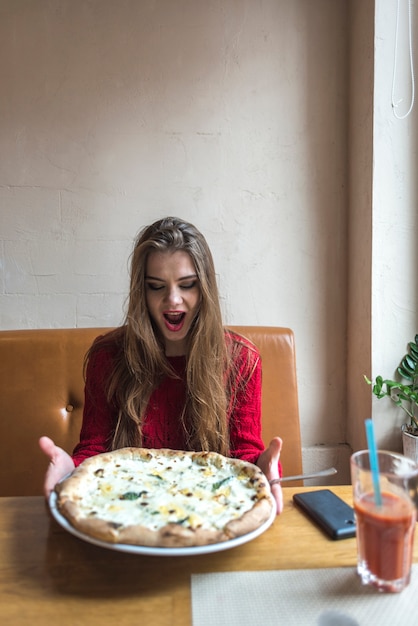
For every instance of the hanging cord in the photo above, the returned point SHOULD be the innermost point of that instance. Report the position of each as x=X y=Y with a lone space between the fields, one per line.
x=411 y=64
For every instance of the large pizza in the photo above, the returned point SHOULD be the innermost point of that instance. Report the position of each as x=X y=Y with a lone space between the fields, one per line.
x=164 y=497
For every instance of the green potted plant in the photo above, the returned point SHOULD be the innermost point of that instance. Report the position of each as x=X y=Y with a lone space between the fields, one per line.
x=404 y=393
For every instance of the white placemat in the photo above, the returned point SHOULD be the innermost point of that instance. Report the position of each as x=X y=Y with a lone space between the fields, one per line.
x=318 y=597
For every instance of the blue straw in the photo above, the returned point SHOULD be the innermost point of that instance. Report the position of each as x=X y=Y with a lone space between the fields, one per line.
x=374 y=462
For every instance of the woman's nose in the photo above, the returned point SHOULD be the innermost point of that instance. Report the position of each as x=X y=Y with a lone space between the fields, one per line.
x=174 y=296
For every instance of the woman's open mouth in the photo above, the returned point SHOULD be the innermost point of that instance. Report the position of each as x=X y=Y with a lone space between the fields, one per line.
x=174 y=320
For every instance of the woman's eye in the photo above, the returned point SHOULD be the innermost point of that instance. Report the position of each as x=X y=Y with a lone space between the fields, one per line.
x=189 y=285
x=154 y=286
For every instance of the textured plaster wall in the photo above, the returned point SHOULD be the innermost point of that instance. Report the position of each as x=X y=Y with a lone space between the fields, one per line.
x=231 y=114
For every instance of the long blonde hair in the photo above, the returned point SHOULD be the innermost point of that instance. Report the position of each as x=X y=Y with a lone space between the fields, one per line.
x=140 y=363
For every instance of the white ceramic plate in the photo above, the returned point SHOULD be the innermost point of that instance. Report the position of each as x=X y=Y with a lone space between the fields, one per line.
x=155 y=551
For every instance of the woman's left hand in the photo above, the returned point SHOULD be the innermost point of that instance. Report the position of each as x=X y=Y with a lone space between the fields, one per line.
x=268 y=462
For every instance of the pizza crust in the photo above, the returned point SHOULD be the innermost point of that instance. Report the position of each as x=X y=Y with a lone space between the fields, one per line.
x=204 y=482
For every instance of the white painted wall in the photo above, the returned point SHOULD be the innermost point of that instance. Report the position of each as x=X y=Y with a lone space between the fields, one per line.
x=395 y=212
x=230 y=113
x=382 y=254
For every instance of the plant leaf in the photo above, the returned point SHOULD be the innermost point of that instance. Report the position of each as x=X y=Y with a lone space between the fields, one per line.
x=414 y=349
x=405 y=373
x=410 y=362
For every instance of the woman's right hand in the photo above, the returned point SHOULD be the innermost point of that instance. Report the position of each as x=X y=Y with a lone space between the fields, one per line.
x=60 y=464
x=268 y=462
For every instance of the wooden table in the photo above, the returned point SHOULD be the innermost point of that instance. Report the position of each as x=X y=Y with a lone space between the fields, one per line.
x=48 y=576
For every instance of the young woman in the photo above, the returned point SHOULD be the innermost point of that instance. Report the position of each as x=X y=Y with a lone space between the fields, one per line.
x=171 y=376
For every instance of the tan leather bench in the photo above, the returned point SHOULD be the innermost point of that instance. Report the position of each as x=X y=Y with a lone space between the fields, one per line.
x=42 y=393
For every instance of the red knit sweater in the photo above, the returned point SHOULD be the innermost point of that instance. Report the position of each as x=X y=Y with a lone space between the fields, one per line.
x=162 y=428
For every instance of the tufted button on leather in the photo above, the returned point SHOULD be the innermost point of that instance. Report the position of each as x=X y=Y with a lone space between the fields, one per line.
x=69 y=408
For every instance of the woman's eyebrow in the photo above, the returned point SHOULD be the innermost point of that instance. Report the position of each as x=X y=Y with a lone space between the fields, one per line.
x=188 y=277
x=161 y=280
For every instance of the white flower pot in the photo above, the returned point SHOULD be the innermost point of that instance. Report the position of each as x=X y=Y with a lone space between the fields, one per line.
x=410 y=444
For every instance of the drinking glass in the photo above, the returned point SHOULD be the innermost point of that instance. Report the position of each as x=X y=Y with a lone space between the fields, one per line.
x=385 y=518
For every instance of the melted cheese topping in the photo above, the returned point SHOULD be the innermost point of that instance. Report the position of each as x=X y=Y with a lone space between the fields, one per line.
x=156 y=492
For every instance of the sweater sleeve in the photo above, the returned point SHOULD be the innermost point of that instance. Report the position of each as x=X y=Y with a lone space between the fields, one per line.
x=98 y=418
x=245 y=421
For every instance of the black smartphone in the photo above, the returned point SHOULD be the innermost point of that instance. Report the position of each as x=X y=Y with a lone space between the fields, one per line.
x=329 y=511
